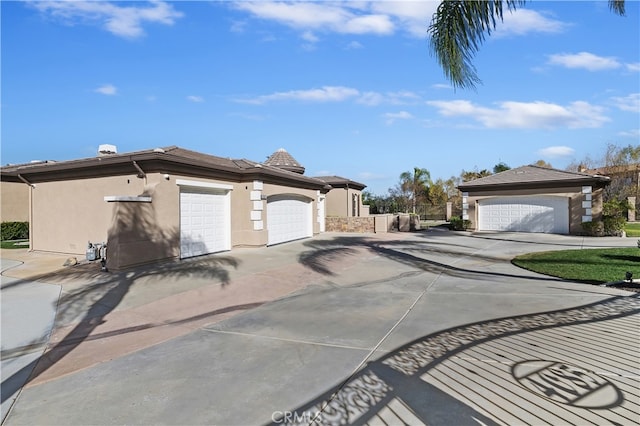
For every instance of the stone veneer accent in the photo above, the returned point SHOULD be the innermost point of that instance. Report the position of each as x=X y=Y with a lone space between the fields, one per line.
x=350 y=224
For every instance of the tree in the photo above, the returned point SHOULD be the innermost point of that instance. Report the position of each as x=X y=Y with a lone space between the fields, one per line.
x=459 y=27
x=474 y=174
x=438 y=195
x=415 y=185
x=542 y=163
x=621 y=164
x=501 y=167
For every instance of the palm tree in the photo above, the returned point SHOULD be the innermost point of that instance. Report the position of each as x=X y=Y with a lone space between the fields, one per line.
x=459 y=27
x=416 y=184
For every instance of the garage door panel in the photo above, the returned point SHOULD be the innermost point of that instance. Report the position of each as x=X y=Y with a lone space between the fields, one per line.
x=288 y=219
x=205 y=222
x=524 y=214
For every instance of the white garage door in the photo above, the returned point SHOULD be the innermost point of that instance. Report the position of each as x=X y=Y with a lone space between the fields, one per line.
x=205 y=221
x=288 y=219
x=524 y=214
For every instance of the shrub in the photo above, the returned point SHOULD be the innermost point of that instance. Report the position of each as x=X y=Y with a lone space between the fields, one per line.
x=593 y=229
x=613 y=216
x=14 y=231
x=613 y=225
x=458 y=224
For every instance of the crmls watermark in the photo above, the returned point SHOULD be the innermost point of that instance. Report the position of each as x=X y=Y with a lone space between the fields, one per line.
x=293 y=417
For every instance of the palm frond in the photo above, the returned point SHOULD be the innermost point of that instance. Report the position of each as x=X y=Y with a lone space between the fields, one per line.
x=457 y=30
x=617 y=7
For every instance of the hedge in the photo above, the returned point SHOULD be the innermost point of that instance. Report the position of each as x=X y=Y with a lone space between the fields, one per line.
x=14 y=231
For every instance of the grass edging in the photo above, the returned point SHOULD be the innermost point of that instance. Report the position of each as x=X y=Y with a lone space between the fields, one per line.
x=593 y=266
x=14 y=244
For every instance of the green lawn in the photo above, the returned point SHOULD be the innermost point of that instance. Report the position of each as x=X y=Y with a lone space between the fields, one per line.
x=14 y=244
x=632 y=229
x=589 y=265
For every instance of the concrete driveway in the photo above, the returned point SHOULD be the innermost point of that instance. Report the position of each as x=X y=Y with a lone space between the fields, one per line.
x=433 y=327
x=27 y=313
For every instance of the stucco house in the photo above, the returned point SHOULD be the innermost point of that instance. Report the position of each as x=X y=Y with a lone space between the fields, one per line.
x=345 y=198
x=166 y=203
x=533 y=199
x=15 y=202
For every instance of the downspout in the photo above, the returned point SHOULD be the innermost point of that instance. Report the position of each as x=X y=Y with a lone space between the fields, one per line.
x=141 y=173
x=31 y=187
x=25 y=181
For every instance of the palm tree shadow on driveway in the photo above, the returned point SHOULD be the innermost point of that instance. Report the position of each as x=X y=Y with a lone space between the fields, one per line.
x=87 y=305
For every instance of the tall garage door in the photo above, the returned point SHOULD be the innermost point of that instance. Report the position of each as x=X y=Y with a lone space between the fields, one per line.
x=288 y=218
x=205 y=221
x=524 y=214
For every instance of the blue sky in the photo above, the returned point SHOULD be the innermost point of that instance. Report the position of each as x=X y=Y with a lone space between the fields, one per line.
x=348 y=88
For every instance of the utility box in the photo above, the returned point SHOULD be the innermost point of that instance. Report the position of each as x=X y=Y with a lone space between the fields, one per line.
x=91 y=252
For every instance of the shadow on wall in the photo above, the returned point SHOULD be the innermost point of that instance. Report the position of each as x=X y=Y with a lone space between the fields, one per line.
x=397 y=388
x=88 y=305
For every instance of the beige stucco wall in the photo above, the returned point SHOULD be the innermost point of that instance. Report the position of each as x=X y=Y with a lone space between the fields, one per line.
x=14 y=202
x=340 y=203
x=574 y=194
x=69 y=214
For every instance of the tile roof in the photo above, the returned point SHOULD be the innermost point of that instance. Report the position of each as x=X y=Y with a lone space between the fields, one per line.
x=282 y=159
x=340 y=182
x=154 y=160
x=531 y=176
x=615 y=170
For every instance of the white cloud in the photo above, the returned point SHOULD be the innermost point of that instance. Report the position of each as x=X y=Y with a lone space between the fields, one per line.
x=323 y=94
x=524 y=21
x=353 y=17
x=402 y=98
x=107 y=89
x=391 y=117
x=319 y=16
x=629 y=103
x=412 y=16
x=634 y=133
x=369 y=24
x=635 y=67
x=193 y=98
x=310 y=37
x=441 y=86
x=371 y=99
x=525 y=115
x=556 y=152
x=123 y=21
x=336 y=94
x=394 y=98
x=585 y=60
x=354 y=45
x=238 y=26
x=382 y=17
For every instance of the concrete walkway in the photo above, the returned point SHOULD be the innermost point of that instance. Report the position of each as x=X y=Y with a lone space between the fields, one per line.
x=433 y=327
x=27 y=313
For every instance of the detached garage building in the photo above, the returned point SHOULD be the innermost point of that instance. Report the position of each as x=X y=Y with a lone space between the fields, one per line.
x=533 y=199
x=166 y=203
